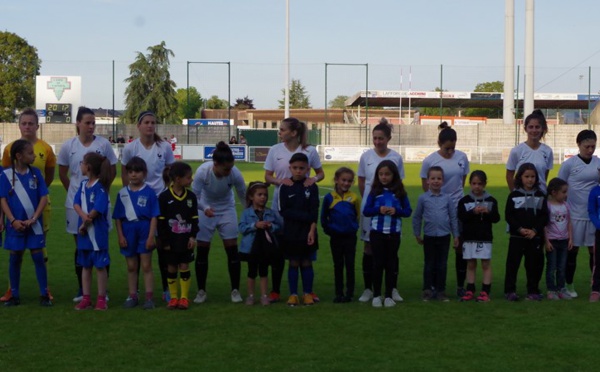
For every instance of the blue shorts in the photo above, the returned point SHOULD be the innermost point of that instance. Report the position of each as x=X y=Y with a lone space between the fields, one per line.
x=136 y=234
x=89 y=258
x=16 y=241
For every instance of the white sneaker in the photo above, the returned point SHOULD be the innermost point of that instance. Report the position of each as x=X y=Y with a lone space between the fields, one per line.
x=376 y=301
x=236 y=297
x=366 y=296
x=389 y=302
x=396 y=296
x=78 y=298
x=570 y=289
x=200 y=297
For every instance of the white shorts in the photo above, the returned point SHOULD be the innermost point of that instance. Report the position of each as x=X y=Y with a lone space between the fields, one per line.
x=583 y=233
x=365 y=228
x=225 y=223
x=477 y=250
x=73 y=220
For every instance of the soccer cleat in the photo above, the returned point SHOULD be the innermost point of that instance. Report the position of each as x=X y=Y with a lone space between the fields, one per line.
x=483 y=297
x=84 y=305
x=396 y=296
x=7 y=296
x=315 y=297
x=564 y=294
x=236 y=297
x=12 y=302
x=552 y=296
x=130 y=302
x=78 y=297
x=274 y=297
x=265 y=300
x=293 y=300
x=512 y=297
x=148 y=305
x=366 y=296
x=45 y=301
x=534 y=297
x=571 y=290
x=249 y=300
x=101 y=304
x=308 y=299
x=427 y=295
x=166 y=296
x=467 y=297
x=460 y=292
x=376 y=302
x=200 y=297
x=389 y=302
x=173 y=304
x=183 y=304
x=594 y=296
x=441 y=296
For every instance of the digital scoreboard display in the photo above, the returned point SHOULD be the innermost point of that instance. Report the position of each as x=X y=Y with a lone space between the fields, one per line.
x=58 y=113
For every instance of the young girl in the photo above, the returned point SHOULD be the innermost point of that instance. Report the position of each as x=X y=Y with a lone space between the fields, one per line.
x=559 y=239
x=24 y=196
x=339 y=218
x=257 y=226
x=177 y=229
x=213 y=185
x=526 y=214
x=299 y=207
x=91 y=204
x=386 y=204
x=135 y=214
x=477 y=211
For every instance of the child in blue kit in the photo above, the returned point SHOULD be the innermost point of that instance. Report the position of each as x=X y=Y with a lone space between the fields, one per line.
x=299 y=207
x=258 y=225
x=339 y=218
x=594 y=213
x=386 y=204
x=136 y=211
x=436 y=217
x=23 y=196
x=91 y=205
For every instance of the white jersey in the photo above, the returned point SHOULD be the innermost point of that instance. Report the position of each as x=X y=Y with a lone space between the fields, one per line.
x=71 y=154
x=278 y=161
x=368 y=163
x=216 y=193
x=455 y=170
x=542 y=158
x=156 y=158
x=581 y=178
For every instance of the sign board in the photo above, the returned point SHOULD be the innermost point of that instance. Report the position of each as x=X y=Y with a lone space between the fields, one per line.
x=260 y=153
x=57 y=98
x=346 y=153
x=209 y=122
x=239 y=152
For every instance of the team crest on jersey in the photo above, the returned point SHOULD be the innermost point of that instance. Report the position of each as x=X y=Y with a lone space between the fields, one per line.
x=92 y=197
x=142 y=200
x=349 y=199
x=189 y=203
x=98 y=152
x=307 y=193
x=32 y=184
x=461 y=164
x=41 y=155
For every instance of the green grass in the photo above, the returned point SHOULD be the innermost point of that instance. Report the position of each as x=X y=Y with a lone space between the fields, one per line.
x=222 y=336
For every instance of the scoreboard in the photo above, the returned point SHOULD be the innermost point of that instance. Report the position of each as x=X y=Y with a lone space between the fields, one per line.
x=59 y=113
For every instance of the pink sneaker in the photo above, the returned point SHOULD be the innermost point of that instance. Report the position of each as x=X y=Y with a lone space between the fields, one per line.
x=84 y=304
x=594 y=296
x=264 y=300
x=101 y=304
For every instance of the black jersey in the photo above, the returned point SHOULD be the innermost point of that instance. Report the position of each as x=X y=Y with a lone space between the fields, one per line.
x=178 y=220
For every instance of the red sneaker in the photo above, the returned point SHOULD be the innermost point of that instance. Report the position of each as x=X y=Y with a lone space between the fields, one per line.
x=7 y=296
x=315 y=297
x=101 y=304
x=468 y=296
x=483 y=297
x=274 y=297
x=184 y=304
x=173 y=304
x=84 y=305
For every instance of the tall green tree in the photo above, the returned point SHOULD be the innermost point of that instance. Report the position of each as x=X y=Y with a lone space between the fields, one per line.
x=19 y=65
x=216 y=103
x=187 y=110
x=244 y=104
x=487 y=87
x=338 y=102
x=299 y=99
x=150 y=85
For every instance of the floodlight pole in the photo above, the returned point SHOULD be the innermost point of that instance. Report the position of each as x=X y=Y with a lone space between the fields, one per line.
x=228 y=93
x=286 y=95
x=366 y=88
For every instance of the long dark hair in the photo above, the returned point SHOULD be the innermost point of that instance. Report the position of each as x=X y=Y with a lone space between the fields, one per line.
x=80 y=113
x=252 y=187
x=223 y=154
x=396 y=186
x=142 y=114
x=384 y=127
x=447 y=134
x=539 y=116
x=525 y=167
x=18 y=147
x=177 y=169
x=99 y=167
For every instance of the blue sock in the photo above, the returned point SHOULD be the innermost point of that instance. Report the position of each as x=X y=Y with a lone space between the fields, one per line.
x=41 y=272
x=308 y=276
x=14 y=273
x=293 y=279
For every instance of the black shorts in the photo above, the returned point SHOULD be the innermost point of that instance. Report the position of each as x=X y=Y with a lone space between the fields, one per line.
x=176 y=257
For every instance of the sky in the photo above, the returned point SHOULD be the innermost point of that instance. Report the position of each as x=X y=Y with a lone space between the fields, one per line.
x=418 y=44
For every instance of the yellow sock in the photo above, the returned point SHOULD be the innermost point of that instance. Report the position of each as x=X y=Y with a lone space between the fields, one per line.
x=172 y=283
x=184 y=282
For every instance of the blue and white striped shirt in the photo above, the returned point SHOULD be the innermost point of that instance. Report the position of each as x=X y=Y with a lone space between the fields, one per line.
x=383 y=223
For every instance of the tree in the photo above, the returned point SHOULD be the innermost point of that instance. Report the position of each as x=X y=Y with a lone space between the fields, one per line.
x=338 y=102
x=488 y=87
x=185 y=110
x=19 y=65
x=299 y=99
x=150 y=85
x=244 y=104
x=216 y=103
